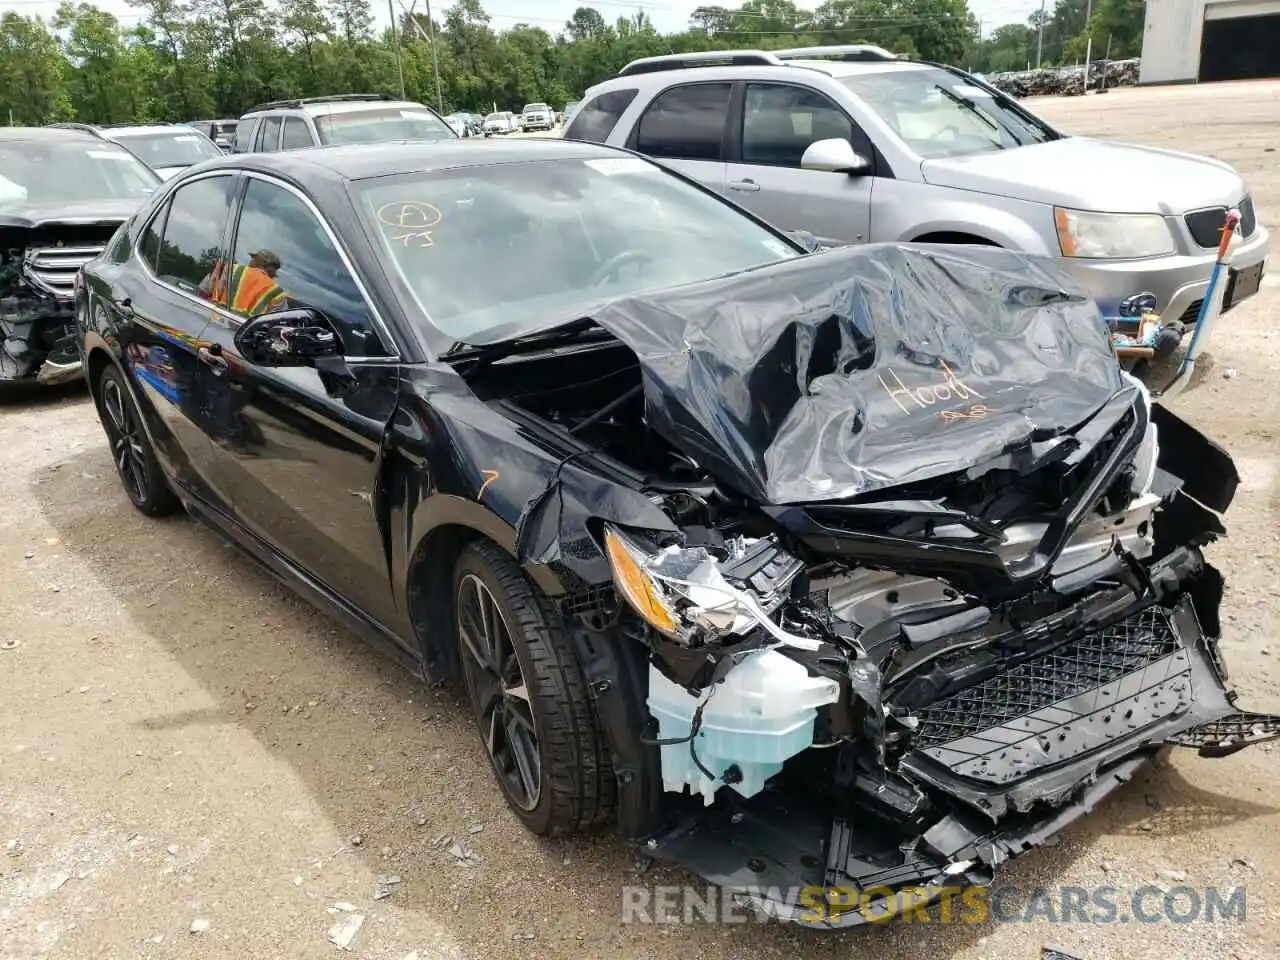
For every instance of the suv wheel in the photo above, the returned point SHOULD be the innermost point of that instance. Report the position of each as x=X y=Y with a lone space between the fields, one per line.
x=529 y=697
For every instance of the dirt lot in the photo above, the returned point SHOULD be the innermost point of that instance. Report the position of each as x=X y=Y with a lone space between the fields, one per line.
x=183 y=743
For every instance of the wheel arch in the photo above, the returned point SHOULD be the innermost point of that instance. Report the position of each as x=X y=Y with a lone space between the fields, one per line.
x=429 y=577
x=954 y=236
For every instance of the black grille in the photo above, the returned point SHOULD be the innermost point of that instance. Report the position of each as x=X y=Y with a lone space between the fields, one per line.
x=1206 y=225
x=1081 y=665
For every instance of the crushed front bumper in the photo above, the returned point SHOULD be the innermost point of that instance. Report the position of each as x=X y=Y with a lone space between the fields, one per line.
x=1020 y=756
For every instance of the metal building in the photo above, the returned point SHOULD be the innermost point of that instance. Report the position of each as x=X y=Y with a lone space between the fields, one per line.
x=1189 y=40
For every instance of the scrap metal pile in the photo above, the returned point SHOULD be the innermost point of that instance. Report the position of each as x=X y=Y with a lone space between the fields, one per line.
x=1067 y=81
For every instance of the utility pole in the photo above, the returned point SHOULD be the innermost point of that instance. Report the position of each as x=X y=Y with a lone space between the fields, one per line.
x=1088 y=47
x=429 y=36
x=1040 y=37
x=395 y=43
x=435 y=63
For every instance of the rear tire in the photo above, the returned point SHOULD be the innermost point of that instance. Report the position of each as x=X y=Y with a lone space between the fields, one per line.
x=529 y=697
x=135 y=462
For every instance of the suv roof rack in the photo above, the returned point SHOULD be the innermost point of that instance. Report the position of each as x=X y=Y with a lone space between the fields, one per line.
x=151 y=123
x=849 y=52
x=303 y=101
x=82 y=127
x=705 y=58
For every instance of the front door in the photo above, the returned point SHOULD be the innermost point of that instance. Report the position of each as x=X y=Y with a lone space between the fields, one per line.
x=779 y=121
x=304 y=466
x=161 y=318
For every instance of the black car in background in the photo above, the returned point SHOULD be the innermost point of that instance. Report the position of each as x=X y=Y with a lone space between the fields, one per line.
x=846 y=570
x=63 y=194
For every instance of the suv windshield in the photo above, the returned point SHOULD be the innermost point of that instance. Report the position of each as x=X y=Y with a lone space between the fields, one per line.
x=36 y=171
x=171 y=149
x=381 y=125
x=553 y=239
x=530 y=107
x=938 y=114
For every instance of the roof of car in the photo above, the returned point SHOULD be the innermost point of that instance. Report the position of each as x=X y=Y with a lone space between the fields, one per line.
x=141 y=129
x=327 y=107
x=361 y=161
x=46 y=134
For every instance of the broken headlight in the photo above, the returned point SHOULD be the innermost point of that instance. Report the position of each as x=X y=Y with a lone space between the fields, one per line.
x=685 y=594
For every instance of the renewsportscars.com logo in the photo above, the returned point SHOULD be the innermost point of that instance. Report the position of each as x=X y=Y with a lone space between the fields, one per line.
x=972 y=905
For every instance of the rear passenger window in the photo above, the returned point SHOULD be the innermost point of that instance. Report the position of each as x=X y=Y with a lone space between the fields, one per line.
x=296 y=135
x=596 y=120
x=685 y=123
x=780 y=121
x=197 y=218
x=270 y=135
x=244 y=135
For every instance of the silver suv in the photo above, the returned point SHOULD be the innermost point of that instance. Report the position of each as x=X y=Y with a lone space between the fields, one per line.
x=346 y=118
x=854 y=144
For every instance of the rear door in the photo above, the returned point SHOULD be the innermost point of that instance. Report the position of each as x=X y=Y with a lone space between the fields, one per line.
x=303 y=463
x=163 y=310
x=687 y=127
x=774 y=124
x=296 y=135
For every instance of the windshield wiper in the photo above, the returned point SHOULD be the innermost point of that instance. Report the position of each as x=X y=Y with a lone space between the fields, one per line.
x=485 y=354
x=964 y=103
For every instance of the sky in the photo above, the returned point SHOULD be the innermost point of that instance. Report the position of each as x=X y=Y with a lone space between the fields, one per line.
x=667 y=15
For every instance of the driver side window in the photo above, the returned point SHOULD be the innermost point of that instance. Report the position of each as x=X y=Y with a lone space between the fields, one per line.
x=779 y=121
x=284 y=259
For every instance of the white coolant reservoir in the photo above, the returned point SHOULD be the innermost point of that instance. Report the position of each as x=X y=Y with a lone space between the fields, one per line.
x=760 y=715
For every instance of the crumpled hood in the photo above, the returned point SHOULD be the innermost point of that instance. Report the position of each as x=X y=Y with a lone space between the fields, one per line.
x=1094 y=175
x=84 y=211
x=838 y=374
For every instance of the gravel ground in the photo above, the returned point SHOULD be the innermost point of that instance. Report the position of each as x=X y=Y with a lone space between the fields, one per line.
x=195 y=764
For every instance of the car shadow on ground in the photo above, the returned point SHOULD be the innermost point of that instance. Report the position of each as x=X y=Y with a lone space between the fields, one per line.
x=399 y=764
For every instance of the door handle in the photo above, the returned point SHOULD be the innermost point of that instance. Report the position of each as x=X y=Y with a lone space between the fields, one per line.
x=212 y=355
x=124 y=307
x=746 y=186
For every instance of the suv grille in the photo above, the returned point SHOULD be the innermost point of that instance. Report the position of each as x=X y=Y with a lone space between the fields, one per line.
x=54 y=269
x=1206 y=225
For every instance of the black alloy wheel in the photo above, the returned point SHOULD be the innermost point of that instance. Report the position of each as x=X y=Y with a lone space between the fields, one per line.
x=131 y=452
x=530 y=700
x=499 y=693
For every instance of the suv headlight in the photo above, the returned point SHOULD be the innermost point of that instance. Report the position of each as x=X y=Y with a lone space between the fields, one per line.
x=681 y=592
x=1112 y=236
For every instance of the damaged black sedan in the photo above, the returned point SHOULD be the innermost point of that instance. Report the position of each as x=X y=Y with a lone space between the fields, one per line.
x=63 y=195
x=858 y=570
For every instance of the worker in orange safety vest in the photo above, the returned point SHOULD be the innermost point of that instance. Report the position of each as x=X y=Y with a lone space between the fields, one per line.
x=252 y=289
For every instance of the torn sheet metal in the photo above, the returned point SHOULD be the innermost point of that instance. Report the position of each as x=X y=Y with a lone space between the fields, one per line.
x=838 y=374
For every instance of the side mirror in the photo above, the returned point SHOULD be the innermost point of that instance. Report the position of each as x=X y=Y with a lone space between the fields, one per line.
x=835 y=156
x=806 y=239
x=287 y=338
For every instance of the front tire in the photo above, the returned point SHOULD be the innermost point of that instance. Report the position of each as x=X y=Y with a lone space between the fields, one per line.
x=135 y=461
x=529 y=697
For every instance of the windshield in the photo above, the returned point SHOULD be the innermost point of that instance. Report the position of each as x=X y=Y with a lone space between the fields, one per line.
x=176 y=149
x=34 y=171
x=381 y=125
x=548 y=241
x=938 y=114
x=225 y=128
x=496 y=116
x=530 y=107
